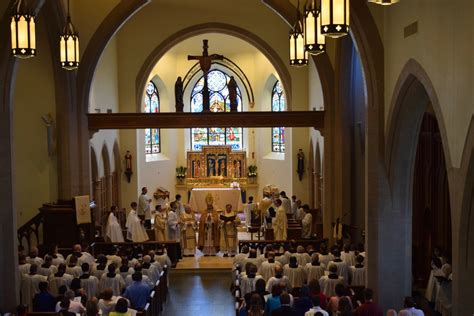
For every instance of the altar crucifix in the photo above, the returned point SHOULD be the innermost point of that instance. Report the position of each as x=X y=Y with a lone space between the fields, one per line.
x=205 y=62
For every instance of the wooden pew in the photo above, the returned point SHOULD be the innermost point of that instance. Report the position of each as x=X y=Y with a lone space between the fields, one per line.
x=172 y=248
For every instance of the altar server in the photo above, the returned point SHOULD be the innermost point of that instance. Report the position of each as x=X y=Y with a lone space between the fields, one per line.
x=113 y=229
x=135 y=230
x=172 y=224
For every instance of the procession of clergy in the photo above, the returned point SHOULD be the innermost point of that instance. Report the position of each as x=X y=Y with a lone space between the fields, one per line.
x=217 y=229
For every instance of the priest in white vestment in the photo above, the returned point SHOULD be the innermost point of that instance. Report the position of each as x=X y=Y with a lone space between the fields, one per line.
x=112 y=280
x=286 y=203
x=59 y=279
x=263 y=206
x=160 y=223
x=295 y=273
x=144 y=211
x=228 y=223
x=306 y=223
x=314 y=269
x=113 y=230
x=279 y=278
x=247 y=282
x=267 y=269
x=89 y=283
x=135 y=230
x=188 y=232
x=342 y=267
x=357 y=272
x=30 y=285
x=328 y=282
x=280 y=222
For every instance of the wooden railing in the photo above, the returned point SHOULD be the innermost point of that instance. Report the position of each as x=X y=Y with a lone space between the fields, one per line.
x=30 y=231
x=260 y=244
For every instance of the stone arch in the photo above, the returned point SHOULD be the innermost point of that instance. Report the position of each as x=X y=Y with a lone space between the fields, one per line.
x=213 y=27
x=413 y=94
x=463 y=238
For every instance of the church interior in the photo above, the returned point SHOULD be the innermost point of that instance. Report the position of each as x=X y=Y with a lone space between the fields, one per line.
x=373 y=130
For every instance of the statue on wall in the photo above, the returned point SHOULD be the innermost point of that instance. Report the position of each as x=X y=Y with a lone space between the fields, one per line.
x=196 y=168
x=128 y=165
x=237 y=172
x=50 y=130
x=211 y=167
x=300 y=166
x=222 y=168
x=178 y=94
x=232 y=87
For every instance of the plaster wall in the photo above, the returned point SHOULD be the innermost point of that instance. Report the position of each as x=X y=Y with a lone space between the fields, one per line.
x=35 y=175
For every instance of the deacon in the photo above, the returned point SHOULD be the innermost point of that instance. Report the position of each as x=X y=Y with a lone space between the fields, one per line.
x=208 y=231
x=188 y=233
x=280 y=222
x=135 y=230
x=228 y=231
x=113 y=229
x=160 y=224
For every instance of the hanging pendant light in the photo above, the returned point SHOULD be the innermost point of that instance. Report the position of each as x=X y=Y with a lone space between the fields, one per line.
x=335 y=18
x=315 y=42
x=298 y=54
x=23 y=33
x=384 y=2
x=69 y=44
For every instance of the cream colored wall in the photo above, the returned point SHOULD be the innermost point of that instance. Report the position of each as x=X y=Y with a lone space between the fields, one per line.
x=444 y=47
x=35 y=175
x=103 y=97
x=161 y=170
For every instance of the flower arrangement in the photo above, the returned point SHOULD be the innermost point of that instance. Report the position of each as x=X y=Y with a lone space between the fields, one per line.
x=181 y=172
x=235 y=185
x=252 y=173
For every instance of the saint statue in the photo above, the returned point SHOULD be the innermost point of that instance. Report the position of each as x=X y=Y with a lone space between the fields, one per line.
x=300 y=167
x=128 y=161
x=232 y=87
x=178 y=94
x=222 y=169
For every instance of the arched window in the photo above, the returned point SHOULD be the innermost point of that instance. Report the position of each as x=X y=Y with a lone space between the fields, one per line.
x=151 y=104
x=278 y=105
x=219 y=102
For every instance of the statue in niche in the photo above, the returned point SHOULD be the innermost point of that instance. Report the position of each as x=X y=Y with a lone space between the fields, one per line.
x=178 y=94
x=222 y=168
x=211 y=167
x=232 y=87
x=237 y=172
x=196 y=168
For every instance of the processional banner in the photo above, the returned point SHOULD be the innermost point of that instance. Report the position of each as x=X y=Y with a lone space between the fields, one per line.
x=83 y=210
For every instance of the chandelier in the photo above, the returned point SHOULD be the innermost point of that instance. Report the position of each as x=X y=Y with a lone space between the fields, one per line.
x=23 y=34
x=69 y=44
x=335 y=18
x=298 y=54
x=315 y=41
x=384 y=2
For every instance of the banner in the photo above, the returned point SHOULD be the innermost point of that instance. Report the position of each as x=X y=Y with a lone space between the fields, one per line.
x=83 y=210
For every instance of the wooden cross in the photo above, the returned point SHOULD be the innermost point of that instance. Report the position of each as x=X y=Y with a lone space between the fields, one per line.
x=205 y=62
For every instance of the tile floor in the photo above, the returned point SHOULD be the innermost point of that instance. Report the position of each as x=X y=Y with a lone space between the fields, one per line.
x=200 y=292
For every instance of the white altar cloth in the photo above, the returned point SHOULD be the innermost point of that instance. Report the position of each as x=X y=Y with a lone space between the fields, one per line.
x=221 y=196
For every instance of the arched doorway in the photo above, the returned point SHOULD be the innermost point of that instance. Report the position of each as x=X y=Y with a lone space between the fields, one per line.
x=414 y=112
x=431 y=226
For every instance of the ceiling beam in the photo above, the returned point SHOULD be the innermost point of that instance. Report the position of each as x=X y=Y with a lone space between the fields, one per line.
x=187 y=120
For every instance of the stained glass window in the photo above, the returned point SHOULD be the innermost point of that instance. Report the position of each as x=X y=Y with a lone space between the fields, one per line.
x=278 y=105
x=219 y=102
x=151 y=104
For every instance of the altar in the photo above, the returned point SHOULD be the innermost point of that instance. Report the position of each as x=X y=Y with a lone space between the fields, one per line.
x=221 y=197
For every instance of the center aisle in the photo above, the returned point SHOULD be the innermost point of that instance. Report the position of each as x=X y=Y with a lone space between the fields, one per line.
x=200 y=292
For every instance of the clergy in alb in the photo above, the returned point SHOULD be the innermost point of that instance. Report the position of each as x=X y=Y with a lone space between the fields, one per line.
x=188 y=232
x=228 y=231
x=135 y=230
x=208 y=231
x=160 y=223
x=172 y=223
x=280 y=221
x=113 y=229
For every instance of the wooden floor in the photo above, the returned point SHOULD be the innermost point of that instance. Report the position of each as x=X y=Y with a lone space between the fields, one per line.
x=200 y=292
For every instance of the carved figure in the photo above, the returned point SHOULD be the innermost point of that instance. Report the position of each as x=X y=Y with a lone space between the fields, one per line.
x=232 y=87
x=178 y=94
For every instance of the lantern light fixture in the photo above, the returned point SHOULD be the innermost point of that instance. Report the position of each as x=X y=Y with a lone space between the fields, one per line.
x=315 y=41
x=69 y=44
x=384 y=2
x=23 y=32
x=335 y=18
x=298 y=54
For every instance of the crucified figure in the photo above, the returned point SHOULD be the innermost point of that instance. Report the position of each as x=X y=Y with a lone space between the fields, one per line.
x=205 y=62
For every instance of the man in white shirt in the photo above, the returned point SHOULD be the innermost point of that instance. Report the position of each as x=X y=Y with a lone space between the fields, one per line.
x=135 y=231
x=144 y=211
x=316 y=307
x=410 y=309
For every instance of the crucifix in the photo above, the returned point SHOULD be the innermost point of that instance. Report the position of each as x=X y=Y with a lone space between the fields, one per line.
x=205 y=62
